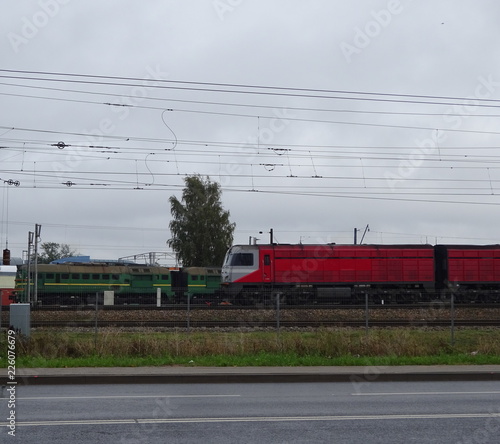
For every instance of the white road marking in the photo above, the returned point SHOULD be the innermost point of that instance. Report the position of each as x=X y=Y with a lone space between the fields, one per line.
x=252 y=419
x=125 y=397
x=426 y=393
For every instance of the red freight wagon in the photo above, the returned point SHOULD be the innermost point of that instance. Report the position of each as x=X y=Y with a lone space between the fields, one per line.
x=471 y=271
x=346 y=272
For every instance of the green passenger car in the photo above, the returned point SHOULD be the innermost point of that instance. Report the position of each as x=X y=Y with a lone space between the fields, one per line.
x=131 y=284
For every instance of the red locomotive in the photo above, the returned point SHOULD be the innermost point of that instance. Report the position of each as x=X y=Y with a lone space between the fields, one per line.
x=348 y=273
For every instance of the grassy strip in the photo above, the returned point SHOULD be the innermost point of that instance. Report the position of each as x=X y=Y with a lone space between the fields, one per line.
x=316 y=348
x=262 y=359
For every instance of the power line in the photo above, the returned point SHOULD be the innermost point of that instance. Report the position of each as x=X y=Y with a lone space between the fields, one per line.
x=335 y=122
x=294 y=90
x=205 y=102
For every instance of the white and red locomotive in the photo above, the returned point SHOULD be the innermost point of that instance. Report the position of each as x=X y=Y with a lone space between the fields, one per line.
x=347 y=273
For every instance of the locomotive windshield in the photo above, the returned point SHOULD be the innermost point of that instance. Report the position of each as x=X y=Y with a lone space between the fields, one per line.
x=241 y=259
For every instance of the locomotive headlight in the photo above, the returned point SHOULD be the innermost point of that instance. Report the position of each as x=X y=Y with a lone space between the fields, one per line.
x=224 y=275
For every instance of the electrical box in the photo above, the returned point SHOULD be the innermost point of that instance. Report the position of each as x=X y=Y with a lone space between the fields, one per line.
x=20 y=318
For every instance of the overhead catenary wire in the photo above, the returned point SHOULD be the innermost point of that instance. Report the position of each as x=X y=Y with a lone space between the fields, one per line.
x=239 y=88
x=245 y=230
x=297 y=119
x=207 y=143
x=118 y=149
x=124 y=97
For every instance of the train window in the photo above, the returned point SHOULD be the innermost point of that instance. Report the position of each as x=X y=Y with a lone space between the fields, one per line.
x=115 y=277
x=165 y=277
x=267 y=259
x=202 y=278
x=105 y=277
x=75 y=276
x=242 y=259
x=64 y=275
x=49 y=276
x=96 y=277
x=85 y=276
x=194 y=277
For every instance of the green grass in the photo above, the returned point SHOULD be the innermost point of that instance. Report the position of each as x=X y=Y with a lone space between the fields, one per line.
x=339 y=347
x=263 y=359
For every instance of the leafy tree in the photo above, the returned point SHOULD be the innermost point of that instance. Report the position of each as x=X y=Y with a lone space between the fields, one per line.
x=52 y=251
x=200 y=228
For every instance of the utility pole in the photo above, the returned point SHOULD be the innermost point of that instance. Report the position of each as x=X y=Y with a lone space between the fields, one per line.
x=38 y=229
x=28 y=273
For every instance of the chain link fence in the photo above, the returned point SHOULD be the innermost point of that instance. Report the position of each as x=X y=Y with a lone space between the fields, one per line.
x=191 y=310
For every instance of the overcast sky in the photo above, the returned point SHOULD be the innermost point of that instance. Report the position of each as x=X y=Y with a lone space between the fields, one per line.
x=315 y=117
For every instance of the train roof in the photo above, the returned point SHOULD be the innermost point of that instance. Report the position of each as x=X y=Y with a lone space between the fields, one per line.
x=367 y=246
x=129 y=268
x=332 y=245
x=99 y=267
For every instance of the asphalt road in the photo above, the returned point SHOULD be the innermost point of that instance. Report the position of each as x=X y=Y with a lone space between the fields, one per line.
x=354 y=412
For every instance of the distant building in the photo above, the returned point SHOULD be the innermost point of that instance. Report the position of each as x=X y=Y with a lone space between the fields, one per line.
x=13 y=261
x=75 y=259
x=86 y=260
x=8 y=276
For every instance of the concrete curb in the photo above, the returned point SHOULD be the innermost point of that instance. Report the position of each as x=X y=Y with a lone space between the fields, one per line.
x=204 y=375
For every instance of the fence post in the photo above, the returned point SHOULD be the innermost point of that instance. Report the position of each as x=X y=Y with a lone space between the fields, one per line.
x=452 y=314
x=188 y=312
x=95 y=324
x=278 y=311
x=366 y=313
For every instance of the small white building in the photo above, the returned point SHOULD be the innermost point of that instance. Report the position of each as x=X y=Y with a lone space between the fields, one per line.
x=8 y=276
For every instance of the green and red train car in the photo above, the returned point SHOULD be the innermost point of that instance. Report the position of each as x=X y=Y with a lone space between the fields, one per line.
x=131 y=284
x=292 y=274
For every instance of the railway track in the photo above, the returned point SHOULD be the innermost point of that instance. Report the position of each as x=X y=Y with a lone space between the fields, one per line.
x=183 y=307
x=423 y=315
x=266 y=324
